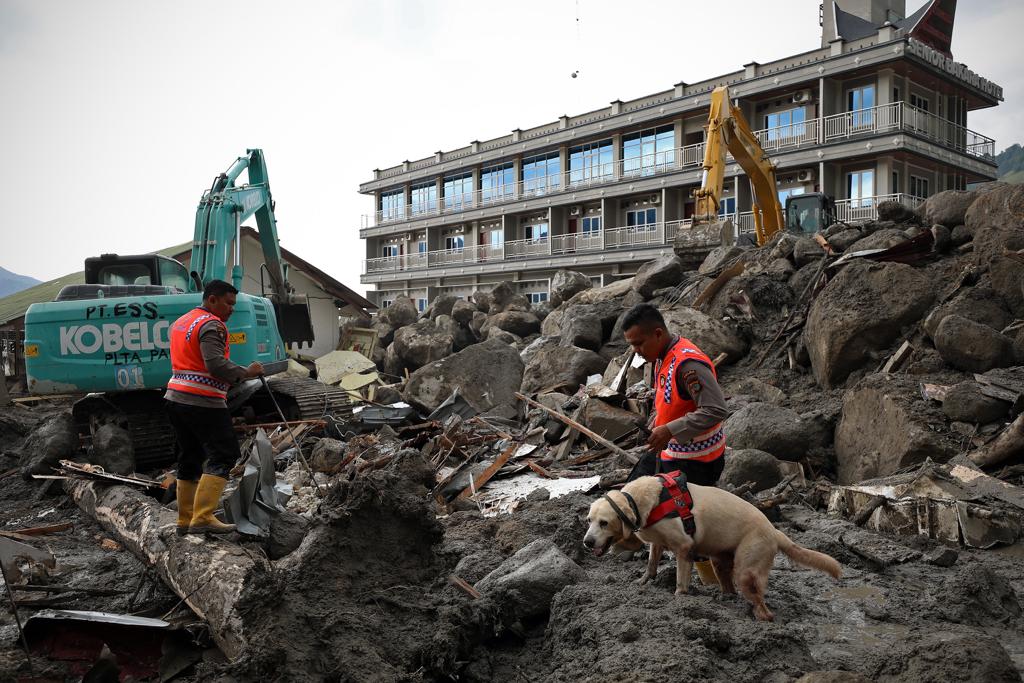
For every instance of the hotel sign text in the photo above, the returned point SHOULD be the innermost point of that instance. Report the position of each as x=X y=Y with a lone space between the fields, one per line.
x=956 y=69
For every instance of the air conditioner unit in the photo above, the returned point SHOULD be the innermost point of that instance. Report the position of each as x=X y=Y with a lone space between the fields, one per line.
x=574 y=210
x=806 y=176
x=654 y=199
x=802 y=96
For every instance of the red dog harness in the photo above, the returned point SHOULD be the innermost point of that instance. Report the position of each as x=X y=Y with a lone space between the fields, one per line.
x=675 y=501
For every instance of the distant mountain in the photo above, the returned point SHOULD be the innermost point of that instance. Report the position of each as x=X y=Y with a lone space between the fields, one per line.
x=1011 y=164
x=12 y=282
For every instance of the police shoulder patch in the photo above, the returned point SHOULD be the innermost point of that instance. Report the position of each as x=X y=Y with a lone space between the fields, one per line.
x=692 y=383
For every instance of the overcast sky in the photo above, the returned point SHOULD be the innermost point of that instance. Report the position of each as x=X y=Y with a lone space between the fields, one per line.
x=117 y=115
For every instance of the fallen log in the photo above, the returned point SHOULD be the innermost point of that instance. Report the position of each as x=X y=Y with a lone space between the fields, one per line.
x=1003 y=447
x=208 y=574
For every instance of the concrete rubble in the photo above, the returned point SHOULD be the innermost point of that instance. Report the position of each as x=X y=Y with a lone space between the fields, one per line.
x=876 y=391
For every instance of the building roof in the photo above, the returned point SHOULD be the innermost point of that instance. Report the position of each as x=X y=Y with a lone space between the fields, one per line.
x=15 y=305
x=851 y=27
x=932 y=24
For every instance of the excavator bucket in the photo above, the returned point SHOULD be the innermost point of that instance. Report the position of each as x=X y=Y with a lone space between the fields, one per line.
x=696 y=241
x=294 y=322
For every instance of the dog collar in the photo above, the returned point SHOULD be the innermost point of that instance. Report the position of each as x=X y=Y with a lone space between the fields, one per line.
x=633 y=526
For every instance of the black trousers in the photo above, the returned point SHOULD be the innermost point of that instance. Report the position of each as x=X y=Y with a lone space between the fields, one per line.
x=205 y=435
x=700 y=473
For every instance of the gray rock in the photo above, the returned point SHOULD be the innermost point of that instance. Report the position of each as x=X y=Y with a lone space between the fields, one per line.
x=385 y=332
x=442 y=321
x=776 y=430
x=996 y=219
x=842 y=241
x=979 y=304
x=942 y=557
x=800 y=279
x=463 y=336
x=1007 y=276
x=287 y=530
x=948 y=208
x=961 y=234
x=393 y=364
x=400 y=313
x=666 y=271
x=541 y=342
x=112 y=449
x=566 y=284
x=965 y=403
x=538 y=495
x=486 y=374
x=478 y=564
x=422 y=343
x=561 y=367
x=780 y=269
x=463 y=311
x=328 y=454
x=582 y=330
x=863 y=309
x=609 y=421
x=533 y=576
x=55 y=440
x=897 y=213
x=885 y=426
x=542 y=310
x=971 y=346
x=806 y=250
x=783 y=245
x=519 y=323
x=442 y=305
x=504 y=297
x=713 y=337
x=502 y=336
x=482 y=300
x=478 y=322
x=718 y=257
x=881 y=239
x=616 y=290
x=750 y=464
x=942 y=238
x=387 y=394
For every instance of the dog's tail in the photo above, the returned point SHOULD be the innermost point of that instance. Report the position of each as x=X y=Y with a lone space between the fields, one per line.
x=809 y=558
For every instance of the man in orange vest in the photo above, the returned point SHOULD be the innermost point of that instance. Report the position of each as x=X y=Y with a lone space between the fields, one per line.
x=196 y=397
x=689 y=406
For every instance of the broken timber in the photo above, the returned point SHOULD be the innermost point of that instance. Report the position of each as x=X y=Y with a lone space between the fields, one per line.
x=580 y=428
x=1003 y=447
x=207 y=574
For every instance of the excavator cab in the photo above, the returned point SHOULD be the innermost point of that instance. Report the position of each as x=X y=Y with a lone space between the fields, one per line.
x=807 y=214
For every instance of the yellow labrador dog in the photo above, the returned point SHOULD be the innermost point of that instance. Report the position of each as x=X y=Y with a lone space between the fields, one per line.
x=735 y=535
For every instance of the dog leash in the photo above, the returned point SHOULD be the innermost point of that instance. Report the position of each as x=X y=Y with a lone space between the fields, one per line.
x=633 y=526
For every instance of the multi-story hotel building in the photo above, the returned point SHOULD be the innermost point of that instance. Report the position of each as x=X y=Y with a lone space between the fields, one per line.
x=879 y=112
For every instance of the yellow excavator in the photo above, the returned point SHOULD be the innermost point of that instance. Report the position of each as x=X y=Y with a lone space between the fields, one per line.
x=728 y=132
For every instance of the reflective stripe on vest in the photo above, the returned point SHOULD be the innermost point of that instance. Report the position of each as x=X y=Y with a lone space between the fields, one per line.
x=670 y=405
x=188 y=369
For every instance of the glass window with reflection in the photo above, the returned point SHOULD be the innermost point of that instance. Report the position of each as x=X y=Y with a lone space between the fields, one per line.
x=860 y=188
x=642 y=219
x=424 y=198
x=454 y=242
x=535 y=232
x=649 y=151
x=860 y=102
x=497 y=182
x=392 y=205
x=591 y=225
x=458 y=191
x=541 y=173
x=591 y=162
x=785 y=124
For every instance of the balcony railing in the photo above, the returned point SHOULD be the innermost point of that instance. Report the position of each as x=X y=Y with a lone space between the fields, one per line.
x=653 y=235
x=886 y=118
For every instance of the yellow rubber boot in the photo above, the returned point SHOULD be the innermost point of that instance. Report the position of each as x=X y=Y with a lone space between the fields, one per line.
x=207 y=500
x=186 y=494
x=706 y=572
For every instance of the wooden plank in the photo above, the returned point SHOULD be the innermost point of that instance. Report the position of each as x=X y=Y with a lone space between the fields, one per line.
x=462 y=585
x=42 y=530
x=540 y=470
x=575 y=425
x=897 y=359
x=492 y=469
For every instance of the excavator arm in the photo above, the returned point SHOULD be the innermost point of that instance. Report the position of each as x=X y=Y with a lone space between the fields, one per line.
x=728 y=131
x=219 y=218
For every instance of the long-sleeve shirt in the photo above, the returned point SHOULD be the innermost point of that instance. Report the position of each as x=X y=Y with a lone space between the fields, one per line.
x=213 y=339
x=696 y=381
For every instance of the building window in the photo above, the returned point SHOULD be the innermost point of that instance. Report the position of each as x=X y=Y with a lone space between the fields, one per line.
x=919 y=102
x=591 y=162
x=860 y=188
x=496 y=182
x=919 y=187
x=648 y=151
x=790 y=192
x=421 y=247
x=727 y=206
x=896 y=182
x=496 y=238
x=642 y=219
x=424 y=198
x=541 y=173
x=421 y=305
x=458 y=191
x=389 y=251
x=537 y=297
x=785 y=124
x=392 y=204
x=536 y=232
x=384 y=303
x=895 y=94
x=860 y=101
x=454 y=242
x=591 y=225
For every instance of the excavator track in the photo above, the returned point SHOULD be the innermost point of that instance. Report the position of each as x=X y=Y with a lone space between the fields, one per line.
x=302 y=398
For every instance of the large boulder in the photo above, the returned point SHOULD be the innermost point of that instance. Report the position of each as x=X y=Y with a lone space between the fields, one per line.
x=422 y=343
x=616 y=290
x=442 y=305
x=996 y=219
x=1007 y=275
x=55 y=440
x=112 y=449
x=971 y=346
x=482 y=300
x=863 y=309
x=979 y=304
x=487 y=375
x=463 y=311
x=887 y=425
x=560 y=367
x=881 y=239
x=504 y=297
x=533 y=577
x=565 y=284
x=542 y=342
x=776 y=430
x=806 y=250
x=842 y=241
x=585 y=325
x=400 y=313
x=750 y=464
x=609 y=421
x=519 y=323
x=385 y=331
x=897 y=213
x=666 y=271
x=964 y=402
x=719 y=257
x=713 y=337
x=948 y=208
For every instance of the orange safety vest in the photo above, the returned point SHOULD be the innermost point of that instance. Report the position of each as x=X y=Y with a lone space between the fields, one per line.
x=670 y=405
x=188 y=369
